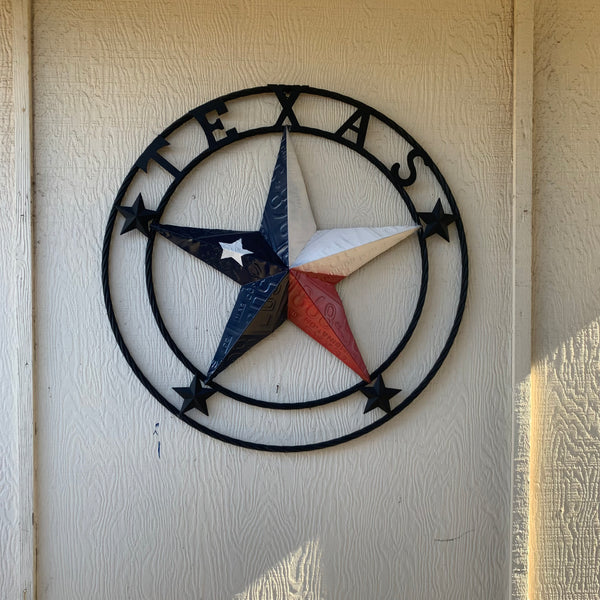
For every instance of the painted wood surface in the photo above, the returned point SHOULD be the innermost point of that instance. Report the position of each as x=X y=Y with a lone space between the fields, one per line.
x=522 y=284
x=421 y=508
x=565 y=434
x=23 y=293
x=9 y=452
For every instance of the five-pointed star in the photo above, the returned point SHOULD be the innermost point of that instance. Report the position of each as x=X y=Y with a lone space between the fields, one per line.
x=235 y=251
x=194 y=396
x=437 y=221
x=290 y=270
x=137 y=216
x=378 y=396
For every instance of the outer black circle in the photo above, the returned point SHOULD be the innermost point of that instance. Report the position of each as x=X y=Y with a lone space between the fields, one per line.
x=397 y=183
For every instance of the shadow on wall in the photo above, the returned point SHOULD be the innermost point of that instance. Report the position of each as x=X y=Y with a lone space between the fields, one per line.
x=296 y=577
x=565 y=466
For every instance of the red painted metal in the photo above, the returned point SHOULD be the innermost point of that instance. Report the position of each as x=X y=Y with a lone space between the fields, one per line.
x=315 y=306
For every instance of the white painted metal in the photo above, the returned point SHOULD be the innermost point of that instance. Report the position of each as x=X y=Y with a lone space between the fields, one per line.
x=343 y=251
x=301 y=223
x=235 y=251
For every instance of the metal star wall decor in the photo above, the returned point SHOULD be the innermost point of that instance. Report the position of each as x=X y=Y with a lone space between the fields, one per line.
x=286 y=269
x=290 y=269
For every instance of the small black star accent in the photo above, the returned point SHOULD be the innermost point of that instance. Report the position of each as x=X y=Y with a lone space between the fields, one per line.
x=137 y=217
x=378 y=396
x=437 y=221
x=194 y=396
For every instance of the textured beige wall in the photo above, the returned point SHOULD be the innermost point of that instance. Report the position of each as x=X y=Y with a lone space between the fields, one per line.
x=9 y=488
x=566 y=325
x=419 y=508
x=566 y=440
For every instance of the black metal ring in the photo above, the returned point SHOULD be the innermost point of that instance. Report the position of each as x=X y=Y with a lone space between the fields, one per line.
x=399 y=185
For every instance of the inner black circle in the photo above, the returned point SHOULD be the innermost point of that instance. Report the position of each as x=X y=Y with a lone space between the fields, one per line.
x=255 y=401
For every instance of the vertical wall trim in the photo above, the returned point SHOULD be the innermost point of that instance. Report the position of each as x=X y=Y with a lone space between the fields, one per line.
x=23 y=286
x=522 y=186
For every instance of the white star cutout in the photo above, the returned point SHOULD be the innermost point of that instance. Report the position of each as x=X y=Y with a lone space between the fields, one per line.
x=235 y=251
